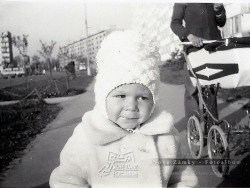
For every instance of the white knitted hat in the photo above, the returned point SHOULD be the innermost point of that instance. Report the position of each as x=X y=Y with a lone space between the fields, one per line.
x=125 y=58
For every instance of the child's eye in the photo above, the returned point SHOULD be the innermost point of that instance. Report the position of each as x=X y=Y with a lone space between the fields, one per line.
x=120 y=96
x=142 y=98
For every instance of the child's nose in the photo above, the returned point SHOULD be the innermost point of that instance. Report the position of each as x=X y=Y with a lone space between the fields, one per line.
x=131 y=104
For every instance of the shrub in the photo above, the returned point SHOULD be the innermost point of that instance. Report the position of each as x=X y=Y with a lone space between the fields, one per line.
x=172 y=71
x=175 y=62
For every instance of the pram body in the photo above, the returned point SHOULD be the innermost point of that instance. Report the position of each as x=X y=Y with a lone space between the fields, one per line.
x=230 y=68
x=220 y=64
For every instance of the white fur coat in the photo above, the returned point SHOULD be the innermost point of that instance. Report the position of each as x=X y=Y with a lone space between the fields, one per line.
x=101 y=154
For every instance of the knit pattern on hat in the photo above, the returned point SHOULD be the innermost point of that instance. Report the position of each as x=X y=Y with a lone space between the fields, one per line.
x=125 y=58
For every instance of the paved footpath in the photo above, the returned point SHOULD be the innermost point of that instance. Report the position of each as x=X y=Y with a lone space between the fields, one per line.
x=42 y=155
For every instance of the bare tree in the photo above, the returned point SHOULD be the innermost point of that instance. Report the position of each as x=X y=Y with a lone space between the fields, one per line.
x=17 y=60
x=35 y=58
x=63 y=53
x=46 y=53
x=21 y=44
x=37 y=68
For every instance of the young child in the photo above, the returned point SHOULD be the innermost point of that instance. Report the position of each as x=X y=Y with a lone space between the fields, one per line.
x=125 y=139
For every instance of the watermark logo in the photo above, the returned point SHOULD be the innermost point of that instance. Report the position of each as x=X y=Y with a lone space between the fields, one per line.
x=171 y=161
x=120 y=165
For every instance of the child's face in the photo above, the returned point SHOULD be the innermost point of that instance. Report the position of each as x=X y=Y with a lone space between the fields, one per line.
x=129 y=105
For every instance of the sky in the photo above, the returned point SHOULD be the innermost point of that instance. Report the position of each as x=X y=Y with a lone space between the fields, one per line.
x=61 y=21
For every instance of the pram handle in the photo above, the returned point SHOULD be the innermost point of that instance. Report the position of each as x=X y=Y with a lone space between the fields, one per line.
x=231 y=42
x=204 y=42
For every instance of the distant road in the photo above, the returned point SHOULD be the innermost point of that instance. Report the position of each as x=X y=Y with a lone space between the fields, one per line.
x=19 y=80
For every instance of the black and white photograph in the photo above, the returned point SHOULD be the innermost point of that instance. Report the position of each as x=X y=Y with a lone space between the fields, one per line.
x=124 y=94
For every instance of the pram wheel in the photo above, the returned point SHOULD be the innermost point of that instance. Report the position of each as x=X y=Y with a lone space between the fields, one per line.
x=218 y=151
x=194 y=137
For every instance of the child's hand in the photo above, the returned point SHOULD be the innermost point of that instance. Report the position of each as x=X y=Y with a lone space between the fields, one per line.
x=217 y=6
x=196 y=41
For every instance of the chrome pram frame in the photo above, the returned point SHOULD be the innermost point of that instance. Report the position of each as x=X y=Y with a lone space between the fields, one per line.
x=203 y=128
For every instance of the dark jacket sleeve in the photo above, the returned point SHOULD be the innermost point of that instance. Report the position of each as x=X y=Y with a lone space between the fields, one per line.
x=177 y=21
x=220 y=16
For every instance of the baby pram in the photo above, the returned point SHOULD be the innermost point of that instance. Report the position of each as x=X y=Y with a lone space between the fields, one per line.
x=219 y=64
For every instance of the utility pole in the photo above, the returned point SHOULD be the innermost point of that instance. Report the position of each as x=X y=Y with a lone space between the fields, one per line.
x=88 y=68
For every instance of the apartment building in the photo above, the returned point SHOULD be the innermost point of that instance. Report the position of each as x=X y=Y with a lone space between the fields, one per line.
x=153 y=21
x=238 y=16
x=6 y=53
x=79 y=48
x=1 y=60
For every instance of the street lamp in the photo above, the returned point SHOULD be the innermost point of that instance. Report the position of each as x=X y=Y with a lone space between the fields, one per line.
x=88 y=68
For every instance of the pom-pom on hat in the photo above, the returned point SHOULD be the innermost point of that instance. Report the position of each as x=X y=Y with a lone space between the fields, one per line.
x=125 y=58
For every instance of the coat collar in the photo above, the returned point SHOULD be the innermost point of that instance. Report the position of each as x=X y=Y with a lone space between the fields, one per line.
x=103 y=131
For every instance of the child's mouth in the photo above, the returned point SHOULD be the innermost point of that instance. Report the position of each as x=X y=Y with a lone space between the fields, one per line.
x=130 y=118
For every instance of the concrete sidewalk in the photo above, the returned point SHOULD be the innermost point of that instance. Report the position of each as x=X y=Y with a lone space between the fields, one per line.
x=42 y=155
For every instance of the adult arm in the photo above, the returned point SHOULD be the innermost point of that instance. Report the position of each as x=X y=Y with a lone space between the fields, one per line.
x=178 y=28
x=177 y=21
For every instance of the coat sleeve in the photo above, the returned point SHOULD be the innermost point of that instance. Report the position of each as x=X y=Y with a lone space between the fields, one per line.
x=72 y=171
x=182 y=176
x=177 y=21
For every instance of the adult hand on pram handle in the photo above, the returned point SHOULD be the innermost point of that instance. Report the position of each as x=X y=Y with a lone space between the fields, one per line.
x=203 y=42
x=190 y=47
x=196 y=41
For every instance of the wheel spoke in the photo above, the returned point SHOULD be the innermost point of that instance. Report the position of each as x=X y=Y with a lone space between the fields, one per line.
x=215 y=137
